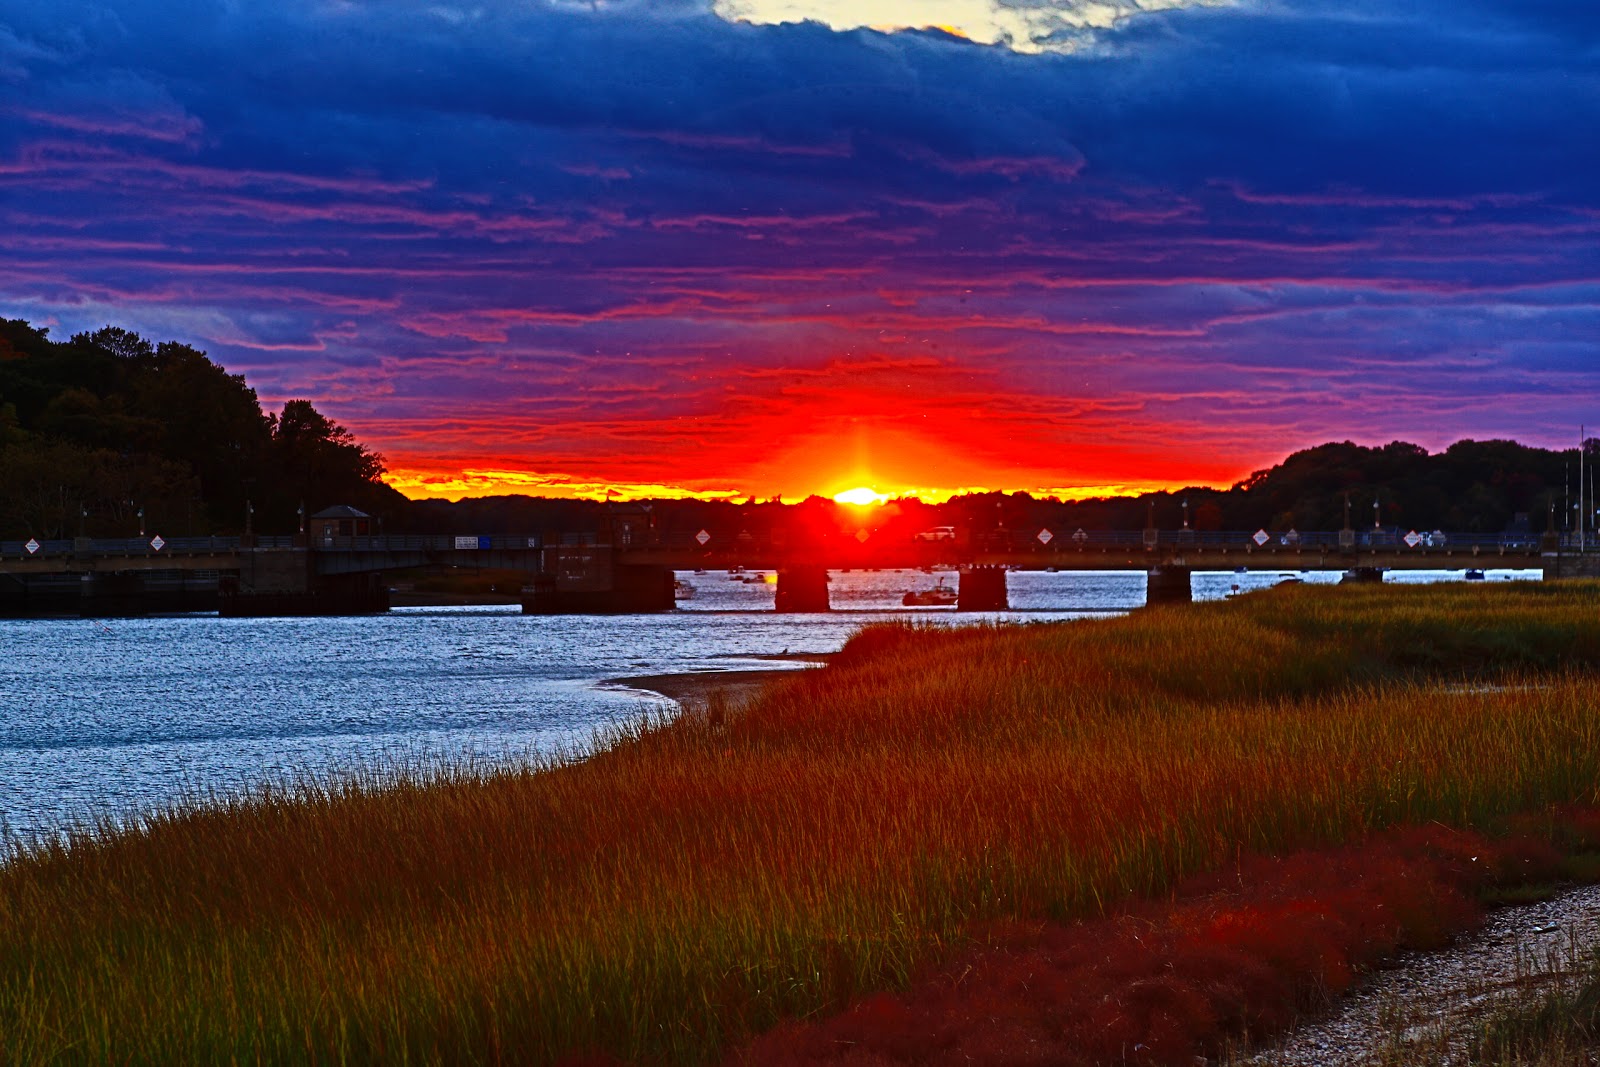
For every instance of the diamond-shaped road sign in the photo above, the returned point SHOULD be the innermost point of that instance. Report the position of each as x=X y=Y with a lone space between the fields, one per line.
x=32 y=546
x=156 y=543
x=1045 y=537
x=1413 y=539
x=862 y=535
x=702 y=537
x=1261 y=538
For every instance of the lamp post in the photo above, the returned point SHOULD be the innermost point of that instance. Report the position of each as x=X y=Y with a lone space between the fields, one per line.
x=1375 y=523
x=141 y=523
x=249 y=515
x=1185 y=513
x=301 y=511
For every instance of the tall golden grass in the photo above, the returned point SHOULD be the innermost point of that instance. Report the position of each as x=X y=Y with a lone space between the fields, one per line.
x=700 y=879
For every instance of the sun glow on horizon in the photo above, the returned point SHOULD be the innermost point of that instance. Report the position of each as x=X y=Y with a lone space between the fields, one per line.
x=860 y=496
x=463 y=483
x=425 y=481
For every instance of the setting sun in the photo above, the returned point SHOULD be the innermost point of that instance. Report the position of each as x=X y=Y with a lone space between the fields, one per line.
x=861 y=497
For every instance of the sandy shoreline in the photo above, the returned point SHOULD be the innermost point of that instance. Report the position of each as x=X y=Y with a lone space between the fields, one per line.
x=695 y=687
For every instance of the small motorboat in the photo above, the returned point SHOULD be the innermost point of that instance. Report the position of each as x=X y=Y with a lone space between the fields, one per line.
x=940 y=596
x=1473 y=574
x=682 y=590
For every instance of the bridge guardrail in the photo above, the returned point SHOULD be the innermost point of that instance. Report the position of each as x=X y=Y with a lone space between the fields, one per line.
x=1021 y=541
x=430 y=543
x=1061 y=541
x=1388 y=540
x=188 y=546
x=138 y=546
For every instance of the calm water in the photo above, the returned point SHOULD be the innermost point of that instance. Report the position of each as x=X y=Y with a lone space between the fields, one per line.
x=124 y=715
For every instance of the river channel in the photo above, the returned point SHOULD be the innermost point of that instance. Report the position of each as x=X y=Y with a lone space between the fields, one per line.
x=110 y=718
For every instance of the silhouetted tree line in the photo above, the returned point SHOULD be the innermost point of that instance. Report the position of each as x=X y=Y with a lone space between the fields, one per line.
x=1486 y=487
x=1472 y=486
x=98 y=428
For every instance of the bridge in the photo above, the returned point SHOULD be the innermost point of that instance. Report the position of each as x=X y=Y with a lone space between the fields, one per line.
x=630 y=568
x=234 y=575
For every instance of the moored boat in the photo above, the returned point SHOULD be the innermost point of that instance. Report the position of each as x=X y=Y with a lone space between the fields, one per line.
x=940 y=596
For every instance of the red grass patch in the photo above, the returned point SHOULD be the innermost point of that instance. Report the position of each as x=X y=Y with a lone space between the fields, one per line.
x=1235 y=955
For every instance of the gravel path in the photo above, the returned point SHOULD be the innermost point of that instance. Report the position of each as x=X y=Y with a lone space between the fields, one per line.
x=1430 y=1001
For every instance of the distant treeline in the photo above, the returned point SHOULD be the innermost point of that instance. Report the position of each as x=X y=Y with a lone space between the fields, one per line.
x=96 y=428
x=1472 y=486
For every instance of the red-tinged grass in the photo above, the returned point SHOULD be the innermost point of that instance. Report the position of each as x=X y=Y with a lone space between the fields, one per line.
x=1233 y=957
x=699 y=881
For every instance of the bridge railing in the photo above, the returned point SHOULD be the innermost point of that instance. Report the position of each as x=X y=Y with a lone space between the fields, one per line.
x=1018 y=541
x=1026 y=541
x=1389 y=540
x=430 y=543
x=381 y=543
x=135 y=546
x=104 y=547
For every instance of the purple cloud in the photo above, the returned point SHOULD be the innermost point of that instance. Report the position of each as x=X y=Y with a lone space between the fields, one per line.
x=576 y=228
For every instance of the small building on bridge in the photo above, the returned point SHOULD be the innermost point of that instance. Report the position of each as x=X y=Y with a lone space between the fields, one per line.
x=341 y=520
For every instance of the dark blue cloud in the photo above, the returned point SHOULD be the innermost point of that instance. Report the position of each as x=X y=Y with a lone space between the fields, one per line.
x=1463 y=96
x=358 y=197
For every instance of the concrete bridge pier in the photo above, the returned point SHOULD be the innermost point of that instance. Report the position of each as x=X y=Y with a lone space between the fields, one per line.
x=14 y=598
x=1570 y=565
x=803 y=587
x=281 y=582
x=601 y=588
x=1170 y=583
x=46 y=595
x=982 y=588
x=1360 y=575
x=112 y=594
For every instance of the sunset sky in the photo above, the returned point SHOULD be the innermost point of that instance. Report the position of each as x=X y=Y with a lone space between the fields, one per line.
x=795 y=246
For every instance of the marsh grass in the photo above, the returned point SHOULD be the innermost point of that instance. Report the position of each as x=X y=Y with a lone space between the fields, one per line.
x=1553 y=1020
x=694 y=881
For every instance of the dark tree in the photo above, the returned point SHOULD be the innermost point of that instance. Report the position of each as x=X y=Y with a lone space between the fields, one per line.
x=316 y=462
